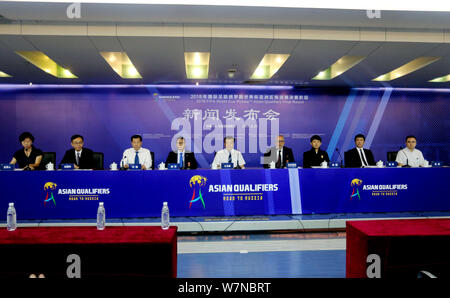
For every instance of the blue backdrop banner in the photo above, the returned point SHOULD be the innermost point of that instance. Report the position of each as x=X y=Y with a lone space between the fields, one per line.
x=108 y=116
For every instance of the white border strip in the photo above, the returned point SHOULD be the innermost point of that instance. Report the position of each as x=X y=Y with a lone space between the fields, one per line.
x=294 y=185
x=399 y=5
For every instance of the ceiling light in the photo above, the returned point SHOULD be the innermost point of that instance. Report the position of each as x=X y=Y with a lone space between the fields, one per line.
x=121 y=64
x=441 y=79
x=268 y=66
x=4 y=75
x=43 y=62
x=231 y=72
x=197 y=64
x=407 y=68
x=339 y=67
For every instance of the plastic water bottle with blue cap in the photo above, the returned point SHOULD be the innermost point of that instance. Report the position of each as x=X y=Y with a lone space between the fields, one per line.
x=165 y=219
x=11 y=219
x=101 y=217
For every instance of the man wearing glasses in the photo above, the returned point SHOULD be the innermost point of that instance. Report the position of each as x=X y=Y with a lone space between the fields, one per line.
x=410 y=156
x=82 y=158
x=278 y=154
x=184 y=158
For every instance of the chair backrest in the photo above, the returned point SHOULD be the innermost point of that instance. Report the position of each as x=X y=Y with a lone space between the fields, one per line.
x=98 y=160
x=152 y=154
x=46 y=158
x=391 y=155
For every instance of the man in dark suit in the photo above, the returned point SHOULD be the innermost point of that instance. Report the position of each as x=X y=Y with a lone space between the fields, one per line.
x=279 y=154
x=315 y=156
x=359 y=157
x=82 y=158
x=181 y=156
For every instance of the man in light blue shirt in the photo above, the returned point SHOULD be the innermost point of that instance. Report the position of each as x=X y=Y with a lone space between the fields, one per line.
x=410 y=156
x=137 y=155
x=229 y=155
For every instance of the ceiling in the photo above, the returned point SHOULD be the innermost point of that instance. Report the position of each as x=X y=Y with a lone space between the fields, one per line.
x=111 y=12
x=159 y=57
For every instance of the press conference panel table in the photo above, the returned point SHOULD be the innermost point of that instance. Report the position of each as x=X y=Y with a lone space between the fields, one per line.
x=205 y=192
x=113 y=252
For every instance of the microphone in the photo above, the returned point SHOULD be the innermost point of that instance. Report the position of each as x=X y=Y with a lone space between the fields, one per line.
x=121 y=162
x=339 y=152
x=237 y=163
x=407 y=165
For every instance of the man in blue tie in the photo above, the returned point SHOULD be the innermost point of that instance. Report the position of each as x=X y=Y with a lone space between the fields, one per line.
x=80 y=156
x=229 y=155
x=137 y=155
x=181 y=156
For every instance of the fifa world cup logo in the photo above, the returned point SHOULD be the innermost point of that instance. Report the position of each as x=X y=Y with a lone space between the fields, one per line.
x=355 y=183
x=49 y=187
x=197 y=183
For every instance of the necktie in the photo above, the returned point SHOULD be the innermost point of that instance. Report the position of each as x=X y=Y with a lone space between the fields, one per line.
x=78 y=158
x=278 y=164
x=136 y=158
x=229 y=157
x=362 y=158
x=181 y=160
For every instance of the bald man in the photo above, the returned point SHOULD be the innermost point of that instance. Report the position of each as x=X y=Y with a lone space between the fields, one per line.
x=278 y=154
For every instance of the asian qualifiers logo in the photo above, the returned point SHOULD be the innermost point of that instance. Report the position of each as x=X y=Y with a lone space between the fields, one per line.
x=49 y=187
x=197 y=182
x=355 y=193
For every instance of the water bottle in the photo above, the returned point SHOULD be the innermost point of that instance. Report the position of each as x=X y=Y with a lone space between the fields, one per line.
x=100 y=216
x=165 y=216
x=11 y=220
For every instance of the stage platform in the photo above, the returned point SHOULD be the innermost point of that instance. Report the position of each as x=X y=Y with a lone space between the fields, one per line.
x=242 y=224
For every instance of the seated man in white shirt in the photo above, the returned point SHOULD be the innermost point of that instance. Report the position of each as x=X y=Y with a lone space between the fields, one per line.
x=229 y=155
x=410 y=156
x=137 y=155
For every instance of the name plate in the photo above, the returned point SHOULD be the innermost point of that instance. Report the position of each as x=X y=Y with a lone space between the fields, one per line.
x=227 y=165
x=334 y=165
x=436 y=164
x=6 y=167
x=291 y=165
x=67 y=166
x=391 y=164
x=173 y=166
x=133 y=166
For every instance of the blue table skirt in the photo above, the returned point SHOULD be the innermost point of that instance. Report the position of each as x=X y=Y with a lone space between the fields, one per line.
x=76 y=194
